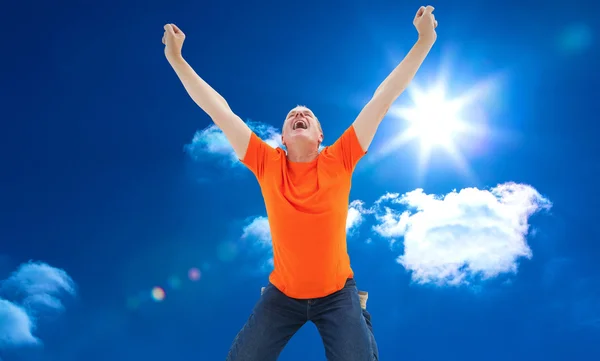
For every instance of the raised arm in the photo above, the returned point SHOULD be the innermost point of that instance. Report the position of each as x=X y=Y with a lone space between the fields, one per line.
x=236 y=131
x=372 y=114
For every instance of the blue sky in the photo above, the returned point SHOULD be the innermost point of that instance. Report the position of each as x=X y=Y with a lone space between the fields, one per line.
x=114 y=183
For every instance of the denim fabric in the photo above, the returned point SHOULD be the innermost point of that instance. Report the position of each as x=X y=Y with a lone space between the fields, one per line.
x=344 y=326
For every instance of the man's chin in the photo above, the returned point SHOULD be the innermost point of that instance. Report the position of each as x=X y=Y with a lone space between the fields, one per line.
x=300 y=131
x=302 y=139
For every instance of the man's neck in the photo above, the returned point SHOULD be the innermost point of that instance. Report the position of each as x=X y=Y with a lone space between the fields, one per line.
x=302 y=155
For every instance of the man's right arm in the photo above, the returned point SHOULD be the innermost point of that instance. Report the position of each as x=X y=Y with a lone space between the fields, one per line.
x=235 y=129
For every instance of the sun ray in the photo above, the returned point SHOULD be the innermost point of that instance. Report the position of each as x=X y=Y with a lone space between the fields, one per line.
x=438 y=122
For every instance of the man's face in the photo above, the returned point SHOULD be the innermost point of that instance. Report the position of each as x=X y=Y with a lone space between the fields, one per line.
x=301 y=125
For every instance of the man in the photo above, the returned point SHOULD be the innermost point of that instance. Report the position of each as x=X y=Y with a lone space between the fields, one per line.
x=306 y=194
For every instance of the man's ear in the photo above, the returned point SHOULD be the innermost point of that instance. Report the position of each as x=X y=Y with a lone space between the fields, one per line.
x=282 y=141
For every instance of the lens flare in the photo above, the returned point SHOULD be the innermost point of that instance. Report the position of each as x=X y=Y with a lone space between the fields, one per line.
x=158 y=294
x=194 y=274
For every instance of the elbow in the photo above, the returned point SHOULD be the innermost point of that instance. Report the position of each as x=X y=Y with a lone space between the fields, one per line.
x=221 y=114
x=216 y=110
x=375 y=110
x=383 y=99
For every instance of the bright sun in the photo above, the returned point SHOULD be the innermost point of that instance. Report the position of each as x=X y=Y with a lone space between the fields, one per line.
x=432 y=119
x=438 y=122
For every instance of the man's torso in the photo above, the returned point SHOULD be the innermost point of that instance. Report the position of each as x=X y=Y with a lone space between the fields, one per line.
x=307 y=208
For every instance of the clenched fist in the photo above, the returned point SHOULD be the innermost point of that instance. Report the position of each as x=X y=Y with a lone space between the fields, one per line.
x=425 y=23
x=173 y=39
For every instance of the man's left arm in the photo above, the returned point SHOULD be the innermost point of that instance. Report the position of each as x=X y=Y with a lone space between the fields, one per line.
x=372 y=114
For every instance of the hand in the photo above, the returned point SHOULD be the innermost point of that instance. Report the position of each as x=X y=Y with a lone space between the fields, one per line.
x=425 y=23
x=173 y=39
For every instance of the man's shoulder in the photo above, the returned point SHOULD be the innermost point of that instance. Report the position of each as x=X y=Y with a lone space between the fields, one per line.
x=331 y=160
x=329 y=153
x=274 y=156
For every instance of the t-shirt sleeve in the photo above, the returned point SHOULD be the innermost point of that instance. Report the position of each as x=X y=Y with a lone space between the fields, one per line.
x=258 y=155
x=347 y=149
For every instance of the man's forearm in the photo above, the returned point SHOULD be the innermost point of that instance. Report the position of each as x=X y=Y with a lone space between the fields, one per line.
x=402 y=75
x=200 y=91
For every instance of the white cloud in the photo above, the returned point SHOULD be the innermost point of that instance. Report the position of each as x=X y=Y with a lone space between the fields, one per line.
x=33 y=289
x=212 y=142
x=258 y=230
x=356 y=213
x=258 y=235
x=471 y=233
x=16 y=326
x=391 y=223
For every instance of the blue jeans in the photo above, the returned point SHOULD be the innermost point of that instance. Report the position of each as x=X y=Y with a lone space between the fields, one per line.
x=344 y=326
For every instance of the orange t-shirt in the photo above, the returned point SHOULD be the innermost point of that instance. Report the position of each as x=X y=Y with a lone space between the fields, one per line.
x=307 y=206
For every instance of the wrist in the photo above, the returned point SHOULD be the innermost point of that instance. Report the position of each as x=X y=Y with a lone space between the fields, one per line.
x=427 y=39
x=174 y=57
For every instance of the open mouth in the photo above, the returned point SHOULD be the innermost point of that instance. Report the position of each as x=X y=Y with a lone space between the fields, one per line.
x=300 y=124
